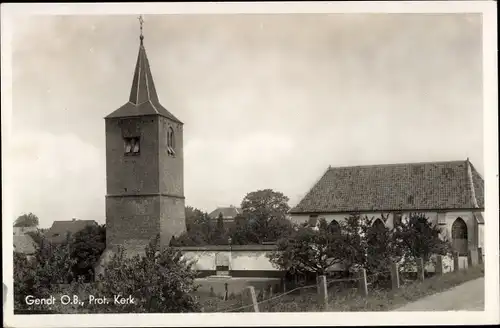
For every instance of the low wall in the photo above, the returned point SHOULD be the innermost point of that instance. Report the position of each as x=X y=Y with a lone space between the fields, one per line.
x=242 y=260
x=252 y=261
x=217 y=285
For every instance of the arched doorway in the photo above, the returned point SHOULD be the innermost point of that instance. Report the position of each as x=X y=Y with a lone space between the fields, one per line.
x=459 y=236
x=334 y=228
x=378 y=225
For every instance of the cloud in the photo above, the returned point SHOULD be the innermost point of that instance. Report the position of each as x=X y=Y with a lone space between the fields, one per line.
x=222 y=171
x=57 y=177
x=268 y=101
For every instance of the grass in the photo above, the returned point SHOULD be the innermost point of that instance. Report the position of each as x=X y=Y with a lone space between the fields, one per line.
x=387 y=300
x=345 y=297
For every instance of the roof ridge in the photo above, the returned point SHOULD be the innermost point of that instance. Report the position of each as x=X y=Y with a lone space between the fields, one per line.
x=396 y=164
x=470 y=181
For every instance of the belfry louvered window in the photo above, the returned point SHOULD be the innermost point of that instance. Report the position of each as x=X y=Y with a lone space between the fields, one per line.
x=132 y=146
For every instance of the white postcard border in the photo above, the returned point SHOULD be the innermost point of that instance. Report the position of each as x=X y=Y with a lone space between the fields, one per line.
x=491 y=237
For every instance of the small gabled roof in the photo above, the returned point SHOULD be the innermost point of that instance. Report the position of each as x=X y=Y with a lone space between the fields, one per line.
x=143 y=98
x=59 y=230
x=392 y=187
x=24 y=244
x=227 y=212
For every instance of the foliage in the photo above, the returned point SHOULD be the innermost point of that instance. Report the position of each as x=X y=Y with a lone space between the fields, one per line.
x=220 y=233
x=86 y=248
x=199 y=229
x=27 y=220
x=369 y=244
x=418 y=237
x=263 y=220
x=39 y=276
x=160 y=282
x=194 y=218
x=309 y=250
x=362 y=243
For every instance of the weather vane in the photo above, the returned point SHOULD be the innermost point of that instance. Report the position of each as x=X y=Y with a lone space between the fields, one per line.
x=141 y=21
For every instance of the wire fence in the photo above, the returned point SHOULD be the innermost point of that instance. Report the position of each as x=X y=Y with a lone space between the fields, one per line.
x=328 y=283
x=363 y=281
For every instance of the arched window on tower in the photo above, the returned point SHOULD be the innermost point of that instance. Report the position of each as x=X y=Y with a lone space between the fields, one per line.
x=171 y=141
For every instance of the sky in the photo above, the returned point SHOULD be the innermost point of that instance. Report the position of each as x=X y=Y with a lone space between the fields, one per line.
x=268 y=101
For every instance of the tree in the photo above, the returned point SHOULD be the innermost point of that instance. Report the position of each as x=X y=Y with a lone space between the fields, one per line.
x=194 y=217
x=220 y=235
x=418 y=237
x=265 y=215
x=309 y=251
x=86 y=248
x=42 y=275
x=198 y=229
x=159 y=282
x=26 y=220
x=369 y=244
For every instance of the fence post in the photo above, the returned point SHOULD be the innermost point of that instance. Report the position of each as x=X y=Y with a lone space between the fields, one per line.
x=456 y=264
x=363 y=285
x=472 y=257
x=394 y=275
x=251 y=298
x=439 y=265
x=420 y=269
x=480 y=255
x=322 y=292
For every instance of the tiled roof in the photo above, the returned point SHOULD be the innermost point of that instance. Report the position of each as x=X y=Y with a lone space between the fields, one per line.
x=24 y=244
x=411 y=186
x=227 y=212
x=59 y=229
x=143 y=96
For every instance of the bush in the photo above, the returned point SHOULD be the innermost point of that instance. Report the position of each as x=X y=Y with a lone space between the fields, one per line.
x=160 y=282
x=418 y=237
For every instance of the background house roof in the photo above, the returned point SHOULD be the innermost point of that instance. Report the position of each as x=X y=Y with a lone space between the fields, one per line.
x=411 y=186
x=59 y=229
x=227 y=212
x=24 y=244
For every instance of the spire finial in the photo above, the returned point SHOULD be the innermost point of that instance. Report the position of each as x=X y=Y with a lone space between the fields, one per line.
x=141 y=21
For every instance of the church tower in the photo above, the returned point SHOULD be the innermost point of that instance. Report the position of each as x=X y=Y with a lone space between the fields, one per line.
x=144 y=166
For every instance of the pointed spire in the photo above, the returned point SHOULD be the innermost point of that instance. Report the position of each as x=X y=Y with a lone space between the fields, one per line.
x=143 y=98
x=143 y=88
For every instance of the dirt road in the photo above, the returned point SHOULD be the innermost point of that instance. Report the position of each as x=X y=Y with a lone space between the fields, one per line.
x=466 y=297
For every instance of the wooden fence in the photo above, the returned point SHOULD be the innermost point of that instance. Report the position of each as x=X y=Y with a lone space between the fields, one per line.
x=251 y=302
